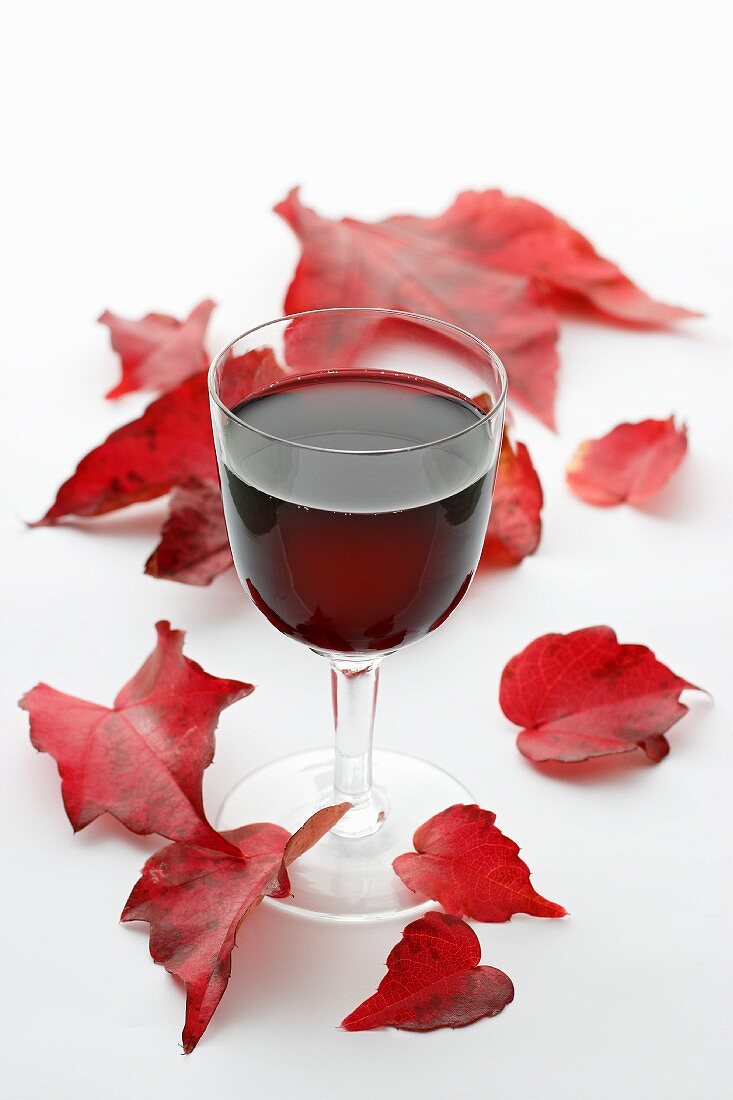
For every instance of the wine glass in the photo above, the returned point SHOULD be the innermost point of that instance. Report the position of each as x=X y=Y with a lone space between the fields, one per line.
x=357 y=452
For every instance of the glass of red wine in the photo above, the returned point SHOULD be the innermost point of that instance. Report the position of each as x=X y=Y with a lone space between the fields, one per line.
x=357 y=453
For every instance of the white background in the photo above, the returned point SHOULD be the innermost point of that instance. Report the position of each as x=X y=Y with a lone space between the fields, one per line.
x=144 y=146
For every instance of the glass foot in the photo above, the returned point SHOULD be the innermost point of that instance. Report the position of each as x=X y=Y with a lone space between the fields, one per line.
x=345 y=878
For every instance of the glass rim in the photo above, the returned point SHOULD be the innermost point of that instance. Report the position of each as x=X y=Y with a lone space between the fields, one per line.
x=423 y=318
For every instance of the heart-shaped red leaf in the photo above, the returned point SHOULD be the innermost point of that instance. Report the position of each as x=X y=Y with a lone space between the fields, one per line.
x=353 y=263
x=515 y=525
x=584 y=694
x=195 y=901
x=434 y=980
x=169 y=444
x=157 y=351
x=629 y=464
x=194 y=546
x=462 y=861
x=511 y=234
x=143 y=759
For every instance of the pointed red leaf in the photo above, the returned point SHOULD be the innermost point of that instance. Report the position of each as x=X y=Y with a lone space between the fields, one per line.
x=143 y=759
x=170 y=443
x=629 y=464
x=353 y=263
x=194 y=546
x=505 y=233
x=144 y=459
x=158 y=352
x=301 y=841
x=583 y=694
x=195 y=901
x=245 y=374
x=434 y=980
x=462 y=861
x=515 y=525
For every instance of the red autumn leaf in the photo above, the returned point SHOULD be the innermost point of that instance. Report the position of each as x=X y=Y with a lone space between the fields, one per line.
x=512 y=234
x=143 y=759
x=245 y=374
x=434 y=980
x=583 y=694
x=629 y=464
x=194 y=547
x=158 y=352
x=196 y=900
x=144 y=459
x=515 y=525
x=462 y=861
x=353 y=263
x=170 y=443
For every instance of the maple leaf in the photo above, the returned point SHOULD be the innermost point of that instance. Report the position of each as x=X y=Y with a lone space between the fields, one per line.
x=353 y=263
x=196 y=900
x=194 y=546
x=462 y=861
x=169 y=444
x=143 y=759
x=629 y=464
x=434 y=980
x=514 y=525
x=157 y=351
x=584 y=694
x=506 y=233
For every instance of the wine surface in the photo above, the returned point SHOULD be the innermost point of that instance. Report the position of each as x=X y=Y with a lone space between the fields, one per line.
x=356 y=505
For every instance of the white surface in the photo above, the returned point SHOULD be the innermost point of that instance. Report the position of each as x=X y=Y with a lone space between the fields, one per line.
x=144 y=145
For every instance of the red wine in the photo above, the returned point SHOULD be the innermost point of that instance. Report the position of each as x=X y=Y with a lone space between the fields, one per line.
x=347 y=541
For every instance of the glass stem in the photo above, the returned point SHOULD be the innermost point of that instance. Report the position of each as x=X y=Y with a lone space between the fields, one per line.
x=354 y=686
